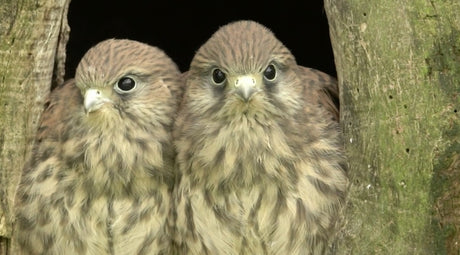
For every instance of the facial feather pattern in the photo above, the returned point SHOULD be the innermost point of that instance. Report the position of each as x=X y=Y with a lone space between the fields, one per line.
x=259 y=150
x=101 y=174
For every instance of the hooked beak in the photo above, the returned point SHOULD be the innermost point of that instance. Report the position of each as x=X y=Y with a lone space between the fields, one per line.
x=245 y=86
x=94 y=99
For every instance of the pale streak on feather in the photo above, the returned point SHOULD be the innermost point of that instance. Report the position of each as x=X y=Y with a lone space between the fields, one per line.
x=264 y=195
x=104 y=161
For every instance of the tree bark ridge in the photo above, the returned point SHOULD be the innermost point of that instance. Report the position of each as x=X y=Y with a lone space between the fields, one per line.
x=30 y=32
x=398 y=69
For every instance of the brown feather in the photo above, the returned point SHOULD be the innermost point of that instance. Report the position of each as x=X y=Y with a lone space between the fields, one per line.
x=260 y=174
x=100 y=182
x=328 y=93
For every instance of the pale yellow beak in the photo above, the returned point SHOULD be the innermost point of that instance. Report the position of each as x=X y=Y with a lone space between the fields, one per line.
x=94 y=99
x=245 y=86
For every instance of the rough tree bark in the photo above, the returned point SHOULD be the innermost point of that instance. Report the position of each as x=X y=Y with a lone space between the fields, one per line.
x=33 y=36
x=398 y=65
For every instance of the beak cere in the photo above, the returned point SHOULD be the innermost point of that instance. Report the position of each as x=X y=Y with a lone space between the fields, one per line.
x=93 y=100
x=245 y=86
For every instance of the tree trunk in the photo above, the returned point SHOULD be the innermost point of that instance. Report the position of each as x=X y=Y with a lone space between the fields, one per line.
x=33 y=35
x=398 y=65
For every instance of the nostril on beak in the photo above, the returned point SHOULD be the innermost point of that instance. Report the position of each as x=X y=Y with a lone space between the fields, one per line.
x=249 y=80
x=245 y=86
x=93 y=100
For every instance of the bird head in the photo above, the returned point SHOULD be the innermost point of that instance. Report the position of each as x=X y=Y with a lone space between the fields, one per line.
x=119 y=78
x=243 y=68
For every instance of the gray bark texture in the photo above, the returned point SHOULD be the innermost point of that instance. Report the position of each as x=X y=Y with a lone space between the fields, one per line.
x=398 y=66
x=33 y=36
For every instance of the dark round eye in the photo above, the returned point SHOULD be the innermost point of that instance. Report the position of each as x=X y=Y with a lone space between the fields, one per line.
x=218 y=76
x=270 y=72
x=126 y=84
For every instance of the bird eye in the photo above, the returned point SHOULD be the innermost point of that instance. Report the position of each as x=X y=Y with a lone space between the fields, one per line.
x=270 y=72
x=218 y=76
x=125 y=84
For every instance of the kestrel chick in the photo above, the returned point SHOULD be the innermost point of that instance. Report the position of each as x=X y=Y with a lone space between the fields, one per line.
x=259 y=150
x=101 y=174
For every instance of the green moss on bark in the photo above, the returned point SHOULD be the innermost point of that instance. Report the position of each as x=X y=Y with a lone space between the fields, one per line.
x=398 y=68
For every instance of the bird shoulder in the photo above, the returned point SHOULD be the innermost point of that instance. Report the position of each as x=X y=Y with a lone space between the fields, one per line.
x=60 y=104
x=325 y=89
